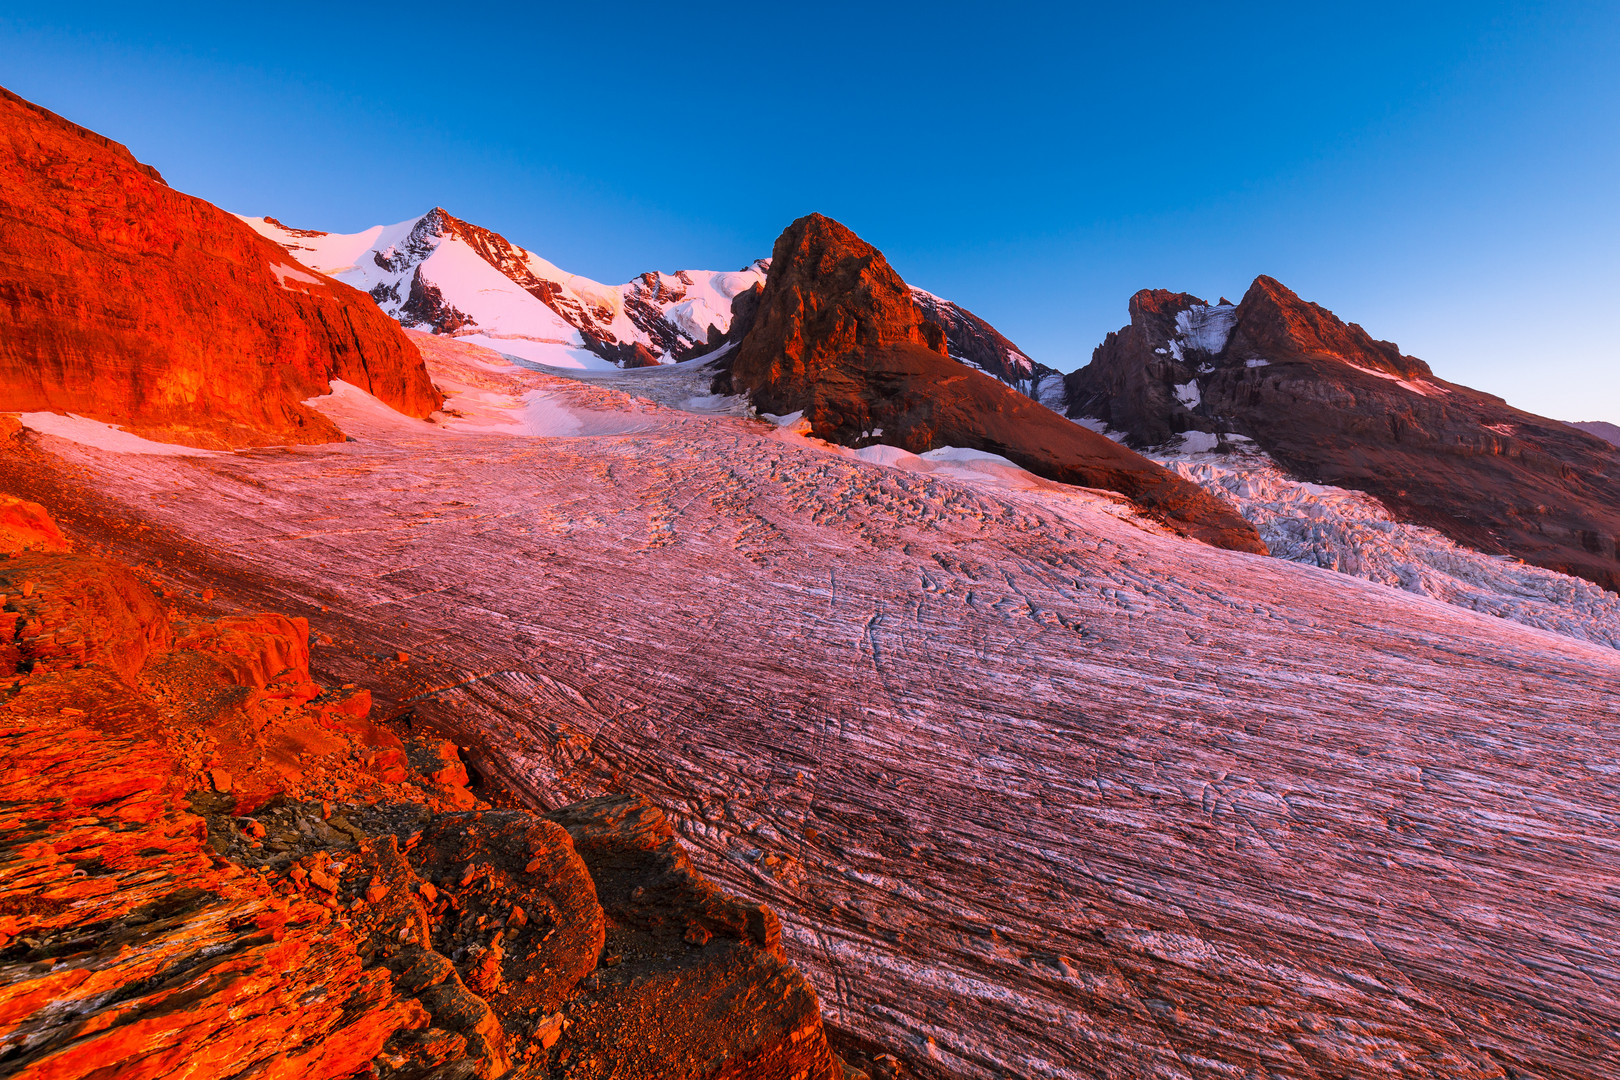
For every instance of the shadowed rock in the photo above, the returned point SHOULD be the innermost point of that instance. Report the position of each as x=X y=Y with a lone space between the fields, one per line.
x=1332 y=405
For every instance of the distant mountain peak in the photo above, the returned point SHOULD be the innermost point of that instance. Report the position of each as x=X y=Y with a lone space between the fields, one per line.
x=838 y=337
x=1330 y=404
x=446 y=275
x=1274 y=323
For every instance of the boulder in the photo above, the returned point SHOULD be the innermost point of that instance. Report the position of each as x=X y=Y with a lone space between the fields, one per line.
x=254 y=649
x=25 y=526
x=68 y=610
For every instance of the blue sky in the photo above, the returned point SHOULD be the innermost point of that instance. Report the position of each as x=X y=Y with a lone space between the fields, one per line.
x=1444 y=174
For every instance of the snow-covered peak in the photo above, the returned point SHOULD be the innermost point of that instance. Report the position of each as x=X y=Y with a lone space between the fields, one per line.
x=448 y=276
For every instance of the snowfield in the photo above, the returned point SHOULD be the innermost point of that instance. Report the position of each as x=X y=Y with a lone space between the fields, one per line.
x=1037 y=790
x=1352 y=533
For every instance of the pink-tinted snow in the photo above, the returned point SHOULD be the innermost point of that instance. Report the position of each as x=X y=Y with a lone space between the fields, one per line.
x=1036 y=791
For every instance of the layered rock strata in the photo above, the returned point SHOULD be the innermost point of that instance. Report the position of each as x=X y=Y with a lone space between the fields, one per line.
x=211 y=866
x=126 y=301
x=838 y=336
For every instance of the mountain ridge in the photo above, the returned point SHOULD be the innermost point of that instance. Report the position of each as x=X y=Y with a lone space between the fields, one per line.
x=838 y=337
x=1332 y=405
x=654 y=318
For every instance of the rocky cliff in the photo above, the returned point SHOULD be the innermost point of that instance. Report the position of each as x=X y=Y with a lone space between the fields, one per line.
x=837 y=335
x=1332 y=405
x=975 y=342
x=126 y=301
x=210 y=866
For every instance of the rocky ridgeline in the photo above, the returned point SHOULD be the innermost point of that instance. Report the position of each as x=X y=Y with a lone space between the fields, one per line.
x=973 y=341
x=644 y=300
x=436 y=276
x=211 y=866
x=837 y=335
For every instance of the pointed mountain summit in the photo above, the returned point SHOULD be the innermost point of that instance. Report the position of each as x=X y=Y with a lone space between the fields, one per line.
x=837 y=335
x=125 y=301
x=1333 y=405
x=447 y=276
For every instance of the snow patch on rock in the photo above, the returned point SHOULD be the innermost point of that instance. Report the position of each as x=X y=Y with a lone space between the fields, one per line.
x=1199 y=442
x=1206 y=328
x=1091 y=423
x=87 y=432
x=1426 y=389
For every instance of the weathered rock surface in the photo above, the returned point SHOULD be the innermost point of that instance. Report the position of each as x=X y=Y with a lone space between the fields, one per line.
x=126 y=301
x=838 y=337
x=1332 y=405
x=684 y=962
x=211 y=867
x=25 y=525
x=80 y=610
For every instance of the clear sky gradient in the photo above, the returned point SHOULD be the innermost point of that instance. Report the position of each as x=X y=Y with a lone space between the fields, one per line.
x=1444 y=174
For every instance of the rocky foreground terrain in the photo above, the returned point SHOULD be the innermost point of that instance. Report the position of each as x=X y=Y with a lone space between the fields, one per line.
x=212 y=866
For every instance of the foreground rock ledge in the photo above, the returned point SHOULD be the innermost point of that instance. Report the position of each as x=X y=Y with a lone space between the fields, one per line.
x=212 y=867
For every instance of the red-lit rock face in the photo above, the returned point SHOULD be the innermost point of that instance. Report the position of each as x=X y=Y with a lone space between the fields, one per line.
x=838 y=336
x=26 y=526
x=127 y=302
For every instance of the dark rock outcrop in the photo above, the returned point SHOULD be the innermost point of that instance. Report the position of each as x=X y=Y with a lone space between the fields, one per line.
x=1609 y=433
x=972 y=340
x=126 y=301
x=839 y=337
x=212 y=867
x=1332 y=405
